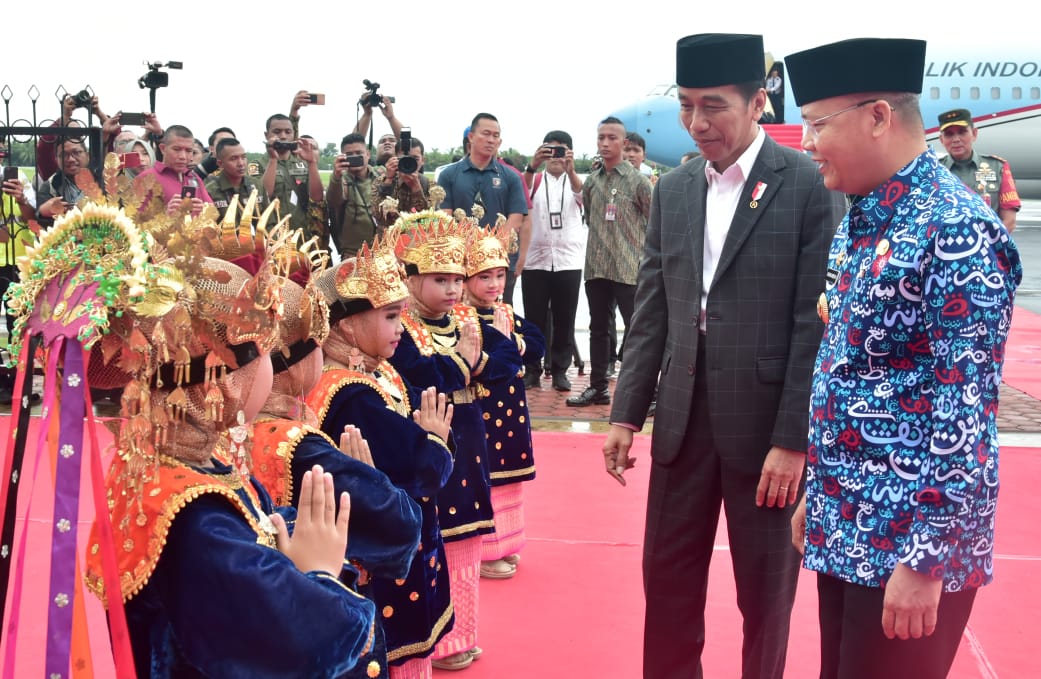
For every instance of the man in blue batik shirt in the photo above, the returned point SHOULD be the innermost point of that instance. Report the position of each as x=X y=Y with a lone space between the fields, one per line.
x=902 y=462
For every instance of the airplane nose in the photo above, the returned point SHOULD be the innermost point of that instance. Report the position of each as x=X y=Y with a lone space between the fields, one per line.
x=634 y=117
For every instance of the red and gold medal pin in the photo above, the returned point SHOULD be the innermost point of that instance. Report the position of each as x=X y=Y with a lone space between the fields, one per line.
x=757 y=193
x=882 y=254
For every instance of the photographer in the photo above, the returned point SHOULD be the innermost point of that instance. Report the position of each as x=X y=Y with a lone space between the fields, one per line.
x=178 y=183
x=404 y=181
x=46 y=165
x=368 y=99
x=352 y=196
x=290 y=172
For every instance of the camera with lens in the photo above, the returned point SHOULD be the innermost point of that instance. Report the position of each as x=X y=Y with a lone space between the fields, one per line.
x=82 y=99
x=281 y=146
x=373 y=98
x=407 y=164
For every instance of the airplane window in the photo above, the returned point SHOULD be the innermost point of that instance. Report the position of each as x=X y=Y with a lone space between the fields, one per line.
x=995 y=93
x=974 y=93
x=955 y=93
x=934 y=92
x=1035 y=93
x=1017 y=92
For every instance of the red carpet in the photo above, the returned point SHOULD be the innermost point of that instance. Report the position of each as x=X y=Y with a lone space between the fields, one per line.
x=575 y=607
x=1023 y=358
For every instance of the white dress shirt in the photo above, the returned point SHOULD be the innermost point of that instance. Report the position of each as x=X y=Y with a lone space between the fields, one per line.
x=724 y=191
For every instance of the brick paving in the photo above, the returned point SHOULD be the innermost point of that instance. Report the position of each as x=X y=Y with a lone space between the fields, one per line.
x=1019 y=412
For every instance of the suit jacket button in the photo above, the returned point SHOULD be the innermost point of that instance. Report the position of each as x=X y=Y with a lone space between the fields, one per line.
x=690 y=370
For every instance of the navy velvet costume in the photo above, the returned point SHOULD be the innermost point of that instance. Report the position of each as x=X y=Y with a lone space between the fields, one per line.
x=415 y=609
x=220 y=604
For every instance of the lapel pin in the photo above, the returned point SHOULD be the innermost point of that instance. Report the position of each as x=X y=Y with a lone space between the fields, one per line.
x=757 y=193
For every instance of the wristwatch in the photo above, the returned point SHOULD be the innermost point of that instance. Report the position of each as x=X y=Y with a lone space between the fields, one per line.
x=529 y=169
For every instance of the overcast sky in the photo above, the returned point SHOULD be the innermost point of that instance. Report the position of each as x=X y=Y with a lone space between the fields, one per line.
x=537 y=65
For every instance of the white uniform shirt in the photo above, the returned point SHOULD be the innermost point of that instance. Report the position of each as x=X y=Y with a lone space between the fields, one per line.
x=556 y=249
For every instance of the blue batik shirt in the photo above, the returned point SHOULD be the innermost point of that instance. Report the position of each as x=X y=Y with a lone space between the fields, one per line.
x=902 y=463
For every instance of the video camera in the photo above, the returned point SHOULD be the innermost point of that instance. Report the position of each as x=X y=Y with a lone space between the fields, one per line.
x=407 y=164
x=155 y=78
x=373 y=98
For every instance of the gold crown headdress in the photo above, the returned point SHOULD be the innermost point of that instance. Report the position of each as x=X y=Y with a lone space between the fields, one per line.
x=430 y=242
x=370 y=280
x=487 y=248
x=170 y=301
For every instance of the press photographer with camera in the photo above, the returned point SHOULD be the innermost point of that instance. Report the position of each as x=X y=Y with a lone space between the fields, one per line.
x=353 y=196
x=404 y=180
x=290 y=174
x=369 y=99
x=46 y=165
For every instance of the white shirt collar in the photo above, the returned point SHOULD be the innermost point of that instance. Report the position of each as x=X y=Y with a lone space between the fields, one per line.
x=744 y=162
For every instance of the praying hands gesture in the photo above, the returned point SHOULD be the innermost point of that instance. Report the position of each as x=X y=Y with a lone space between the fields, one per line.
x=352 y=444
x=319 y=540
x=469 y=344
x=501 y=321
x=434 y=414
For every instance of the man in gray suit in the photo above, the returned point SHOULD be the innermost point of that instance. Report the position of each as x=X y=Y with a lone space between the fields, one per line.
x=733 y=264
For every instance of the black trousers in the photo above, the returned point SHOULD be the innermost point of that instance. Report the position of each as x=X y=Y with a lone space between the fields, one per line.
x=600 y=294
x=552 y=294
x=683 y=504
x=854 y=647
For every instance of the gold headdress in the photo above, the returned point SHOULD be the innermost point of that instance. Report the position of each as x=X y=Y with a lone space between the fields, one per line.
x=430 y=242
x=487 y=248
x=370 y=280
x=156 y=300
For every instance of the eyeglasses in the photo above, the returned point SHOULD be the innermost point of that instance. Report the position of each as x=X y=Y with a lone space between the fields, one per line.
x=813 y=127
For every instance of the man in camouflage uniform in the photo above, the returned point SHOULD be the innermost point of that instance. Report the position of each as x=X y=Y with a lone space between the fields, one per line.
x=236 y=179
x=989 y=176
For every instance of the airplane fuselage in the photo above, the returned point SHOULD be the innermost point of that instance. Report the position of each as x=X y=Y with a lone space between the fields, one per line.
x=1002 y=91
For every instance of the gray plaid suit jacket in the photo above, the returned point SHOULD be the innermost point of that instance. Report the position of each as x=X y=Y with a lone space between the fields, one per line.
x=762 y=330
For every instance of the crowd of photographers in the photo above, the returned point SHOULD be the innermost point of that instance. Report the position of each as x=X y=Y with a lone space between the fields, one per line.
x=370 y=183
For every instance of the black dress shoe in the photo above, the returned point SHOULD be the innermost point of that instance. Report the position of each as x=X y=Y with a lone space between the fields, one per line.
x=590 y=397
x=581 y=365
x=561 y=382
x=531 y=380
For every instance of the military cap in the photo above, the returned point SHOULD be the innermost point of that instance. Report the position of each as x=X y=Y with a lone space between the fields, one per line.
x=958 y=116
x=714 y=59
x=857 y=65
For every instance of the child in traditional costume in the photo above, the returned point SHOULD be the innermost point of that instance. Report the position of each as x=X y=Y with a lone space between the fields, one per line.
x=506 y=419
x=213 y=585
x=408 y=435
x=385 y=522
x=443 y=347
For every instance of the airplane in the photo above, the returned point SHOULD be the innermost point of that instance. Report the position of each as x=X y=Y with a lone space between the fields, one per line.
x=1003 y=93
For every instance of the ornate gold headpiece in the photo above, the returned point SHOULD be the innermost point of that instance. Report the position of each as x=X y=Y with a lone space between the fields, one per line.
x=431 y=242
x=371 y=279
x=157 y=302
x=487 y=248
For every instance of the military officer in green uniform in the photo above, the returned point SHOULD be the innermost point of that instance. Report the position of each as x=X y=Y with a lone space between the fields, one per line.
x=235 y=179
x=290 y=174
x=989 y=176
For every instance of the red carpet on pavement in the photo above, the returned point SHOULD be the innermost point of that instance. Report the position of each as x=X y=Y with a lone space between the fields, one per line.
x=1022 y=368
x=575 y=607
